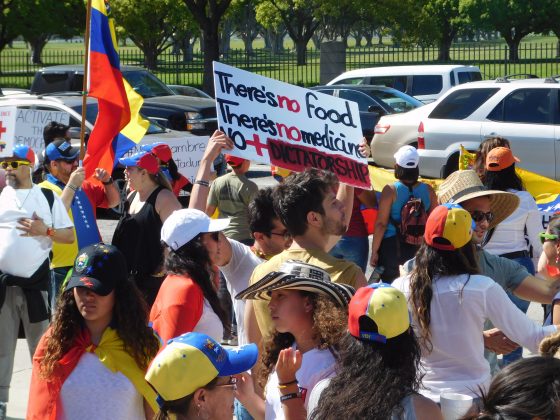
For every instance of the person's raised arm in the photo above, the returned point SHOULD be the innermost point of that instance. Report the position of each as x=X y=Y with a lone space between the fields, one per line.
x=112 y=193
x=201 y=186
x=74 y=184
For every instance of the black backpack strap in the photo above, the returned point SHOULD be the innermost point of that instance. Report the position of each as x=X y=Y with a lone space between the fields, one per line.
x=49 y=195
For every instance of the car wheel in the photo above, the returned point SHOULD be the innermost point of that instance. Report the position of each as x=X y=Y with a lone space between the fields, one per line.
x=451 y=166
x=120 y=183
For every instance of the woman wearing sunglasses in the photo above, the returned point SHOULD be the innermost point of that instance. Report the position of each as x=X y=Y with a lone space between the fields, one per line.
x=187 y=299
x=193 y=377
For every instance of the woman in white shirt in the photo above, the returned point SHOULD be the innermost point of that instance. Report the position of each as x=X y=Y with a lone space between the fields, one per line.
x=91 y=362
x=309 y=313
x=450 y=302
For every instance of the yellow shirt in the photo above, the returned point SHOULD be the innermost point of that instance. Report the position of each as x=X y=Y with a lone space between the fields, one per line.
x=341 y=271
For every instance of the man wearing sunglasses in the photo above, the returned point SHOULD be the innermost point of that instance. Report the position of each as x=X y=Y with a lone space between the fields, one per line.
x=488 y=208
x=81 y=199
x=30 y=221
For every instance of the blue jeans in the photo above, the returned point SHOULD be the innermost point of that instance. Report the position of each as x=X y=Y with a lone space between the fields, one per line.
x=523 y=305
x=352 y=248
x=240 y=412
x=57 y=280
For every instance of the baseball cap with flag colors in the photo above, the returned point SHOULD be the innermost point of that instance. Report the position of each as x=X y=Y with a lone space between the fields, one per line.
x=144 y=160
x=449 y=227
x=191 y=361
x=24 y=152
x=378 y=312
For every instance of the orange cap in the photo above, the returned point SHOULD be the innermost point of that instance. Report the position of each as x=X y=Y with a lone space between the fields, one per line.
x=500 y=158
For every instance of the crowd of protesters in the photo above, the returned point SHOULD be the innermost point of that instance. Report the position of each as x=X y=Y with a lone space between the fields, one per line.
x=137 y=329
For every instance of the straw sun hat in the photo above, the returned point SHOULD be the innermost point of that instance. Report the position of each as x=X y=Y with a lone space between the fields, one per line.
x=461 y=186
x=297 y=275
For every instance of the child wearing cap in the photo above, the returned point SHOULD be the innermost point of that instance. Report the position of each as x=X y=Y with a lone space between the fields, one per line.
x=379 y=354
x=309 y=316
x=193 y=377
x=91 y=362
x=509 y=238
x=450 y=302
x=387 y=249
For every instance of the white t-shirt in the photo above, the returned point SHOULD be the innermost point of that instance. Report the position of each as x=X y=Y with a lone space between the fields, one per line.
x=209 y=323
x=509 y=235
x=316 y=365
x=456 y=362
x=237 y=273
x=93 y=392
x=21 y=255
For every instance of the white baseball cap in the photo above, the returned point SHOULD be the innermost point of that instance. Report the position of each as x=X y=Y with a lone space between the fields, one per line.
x=184 y=225
x=407 y=157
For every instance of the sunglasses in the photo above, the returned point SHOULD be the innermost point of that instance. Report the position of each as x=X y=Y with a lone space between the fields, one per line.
x=286 y=235
x=215 y=236
x=479 y=216
x=14 y=164
x=543 y=236
x=68 y=161
x=232 y=382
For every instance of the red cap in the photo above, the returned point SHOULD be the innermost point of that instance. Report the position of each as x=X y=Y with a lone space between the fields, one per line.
x=234 y=160
x=163 y=152
x=500 y=158
x=142 y=160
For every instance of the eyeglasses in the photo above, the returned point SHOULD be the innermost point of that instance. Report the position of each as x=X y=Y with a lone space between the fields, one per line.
x=231 y=383
x=14 y=164
x=286 y=235
x=479 y=216
x=543 y=236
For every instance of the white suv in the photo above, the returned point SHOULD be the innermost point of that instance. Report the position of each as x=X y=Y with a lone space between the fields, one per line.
x=526 y=112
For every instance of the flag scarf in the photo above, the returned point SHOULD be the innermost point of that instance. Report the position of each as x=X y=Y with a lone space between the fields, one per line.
x=44 y=393
x=117 y=101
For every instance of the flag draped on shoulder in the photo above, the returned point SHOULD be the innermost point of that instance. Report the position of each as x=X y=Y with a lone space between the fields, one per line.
x=105 y=82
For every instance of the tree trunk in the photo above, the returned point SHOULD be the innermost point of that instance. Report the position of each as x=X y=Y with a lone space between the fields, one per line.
x=36 y=46
x=150 y=58
x=301 y=50
x=345 y=40
x=211 y=53
x=187 y=46
x=316 y=42
x=513 y=44
x=225 y=39
x=248 y=44
x=444 y=48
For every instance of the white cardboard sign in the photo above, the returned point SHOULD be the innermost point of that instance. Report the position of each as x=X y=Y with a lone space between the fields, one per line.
x=273 y=122
x=7 y=127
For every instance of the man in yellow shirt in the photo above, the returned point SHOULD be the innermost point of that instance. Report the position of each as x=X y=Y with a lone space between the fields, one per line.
x=316 y=215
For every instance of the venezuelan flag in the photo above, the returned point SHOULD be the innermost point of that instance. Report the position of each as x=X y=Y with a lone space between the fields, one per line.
x=106 y=84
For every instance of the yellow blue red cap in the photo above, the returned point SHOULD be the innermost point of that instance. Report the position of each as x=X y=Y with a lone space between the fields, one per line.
x=449 y=227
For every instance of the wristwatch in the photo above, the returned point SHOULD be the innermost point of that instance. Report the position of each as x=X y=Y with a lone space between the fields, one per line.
x=108 y=182
x=50 y=232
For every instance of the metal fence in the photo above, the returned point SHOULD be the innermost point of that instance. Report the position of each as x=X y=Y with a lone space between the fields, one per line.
x=540 y=59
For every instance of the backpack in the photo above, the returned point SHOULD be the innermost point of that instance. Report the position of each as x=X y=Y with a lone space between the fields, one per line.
x=413 y=220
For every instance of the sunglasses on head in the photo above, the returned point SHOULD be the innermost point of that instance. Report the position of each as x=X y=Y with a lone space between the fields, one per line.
x=14 y=164
x=543 y=236
x=479 y=216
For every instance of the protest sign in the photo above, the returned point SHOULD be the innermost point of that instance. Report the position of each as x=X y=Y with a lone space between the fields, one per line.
x=288 y=126
x=7 y=126
x=187 y=152
x=30 y=124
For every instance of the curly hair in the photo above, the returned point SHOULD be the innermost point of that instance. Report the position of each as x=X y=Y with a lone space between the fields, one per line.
x=389 y=373
x=429 y=264
x=192 y=259
x=483 y=149
x=329 y=326
x=526 y=389
x=130 y=320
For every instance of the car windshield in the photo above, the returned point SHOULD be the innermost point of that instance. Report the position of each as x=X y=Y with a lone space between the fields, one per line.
x=146 y=84
x=91 y=115
x=396 y=101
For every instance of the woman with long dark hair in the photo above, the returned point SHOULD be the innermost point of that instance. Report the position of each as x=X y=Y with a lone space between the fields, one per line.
x=388 y=249
x=450 y=302
x=309 y=316
x=187 y=300
x=378 y=371
x=137 y=235
x=483 y=150
x=90 y=364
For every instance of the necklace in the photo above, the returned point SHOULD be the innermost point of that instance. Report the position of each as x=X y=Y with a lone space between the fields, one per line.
x=20 y=206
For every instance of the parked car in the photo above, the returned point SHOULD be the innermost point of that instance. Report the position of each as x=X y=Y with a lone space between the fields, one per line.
x=161 y=104
x=394 y=131
x=188 y=91
x=526 y=112
x=373 y=102
x=425 y=82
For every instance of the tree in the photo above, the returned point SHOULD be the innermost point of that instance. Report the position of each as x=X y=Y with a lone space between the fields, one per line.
x=149 y=24
x=10 y=21
x=208 y=14
x=243 y=15
x=42 y=20
x=273 y=29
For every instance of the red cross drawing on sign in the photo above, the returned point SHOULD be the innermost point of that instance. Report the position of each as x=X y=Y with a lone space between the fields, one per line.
x=2 y=130
x=256 y=143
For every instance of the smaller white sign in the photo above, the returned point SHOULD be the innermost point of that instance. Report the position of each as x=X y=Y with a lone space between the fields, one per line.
x=7 y=127
x=30 y=124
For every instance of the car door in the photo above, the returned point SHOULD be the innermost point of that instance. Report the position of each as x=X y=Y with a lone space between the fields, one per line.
x=368 y=118
x=526 y=119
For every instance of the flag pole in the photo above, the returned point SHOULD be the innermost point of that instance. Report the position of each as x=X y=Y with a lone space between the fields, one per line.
x=85 y=82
